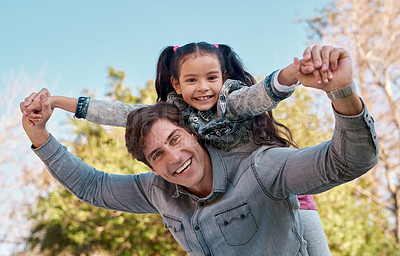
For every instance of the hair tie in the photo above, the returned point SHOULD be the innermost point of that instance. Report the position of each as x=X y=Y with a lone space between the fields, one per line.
x=216 y=45
x=175 y=48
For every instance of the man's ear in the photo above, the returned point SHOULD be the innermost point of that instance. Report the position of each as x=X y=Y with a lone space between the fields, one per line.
x=176 y=85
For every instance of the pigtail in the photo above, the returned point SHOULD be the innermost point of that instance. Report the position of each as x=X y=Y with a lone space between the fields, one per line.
x=163 y=78
x=234 y=67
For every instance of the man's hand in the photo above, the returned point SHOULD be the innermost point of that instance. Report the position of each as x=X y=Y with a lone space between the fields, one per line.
x=37 y=133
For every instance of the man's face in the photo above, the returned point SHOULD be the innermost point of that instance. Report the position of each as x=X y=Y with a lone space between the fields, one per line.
x=176 y=155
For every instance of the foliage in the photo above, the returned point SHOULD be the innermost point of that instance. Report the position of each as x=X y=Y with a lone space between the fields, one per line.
x=66 y=226
x=309 y=123
x=354 y=223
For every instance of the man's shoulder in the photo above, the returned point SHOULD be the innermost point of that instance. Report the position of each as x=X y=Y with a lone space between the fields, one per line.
x=160 y=185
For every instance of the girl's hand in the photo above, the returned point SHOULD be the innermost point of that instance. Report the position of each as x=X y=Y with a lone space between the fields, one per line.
x=331 y=68
x=35 y=97
x=318 y=60
x=315 y=62
x=32 y=106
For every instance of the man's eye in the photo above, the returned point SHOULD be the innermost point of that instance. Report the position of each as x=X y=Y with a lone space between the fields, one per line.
x=156 y=156
x=175 y=140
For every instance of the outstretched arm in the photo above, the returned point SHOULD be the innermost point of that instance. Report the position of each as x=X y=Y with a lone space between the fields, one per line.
x=113 y=113
x=352 y=151
x=109 y=191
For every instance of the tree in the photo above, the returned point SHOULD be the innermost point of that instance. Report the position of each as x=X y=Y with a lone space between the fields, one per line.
x=370 y=29
x=66 y=226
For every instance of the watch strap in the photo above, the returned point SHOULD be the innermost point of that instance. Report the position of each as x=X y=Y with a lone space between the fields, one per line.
x=342 y=92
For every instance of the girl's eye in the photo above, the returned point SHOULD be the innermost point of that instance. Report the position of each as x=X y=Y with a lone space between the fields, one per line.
x=190 y=80
x=212 y=77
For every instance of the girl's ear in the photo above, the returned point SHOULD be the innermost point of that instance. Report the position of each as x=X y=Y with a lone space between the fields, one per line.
x=225 y=75
x=176 y=85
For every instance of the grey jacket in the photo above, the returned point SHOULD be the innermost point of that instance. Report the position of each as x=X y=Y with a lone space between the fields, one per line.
x=252 y=209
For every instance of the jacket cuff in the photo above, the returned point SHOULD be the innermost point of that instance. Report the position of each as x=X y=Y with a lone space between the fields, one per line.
x=82 y=107
x=48 y=150
x=358 y=122
x=272 y=92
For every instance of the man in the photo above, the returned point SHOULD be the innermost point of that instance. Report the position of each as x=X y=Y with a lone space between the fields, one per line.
x=220 y=203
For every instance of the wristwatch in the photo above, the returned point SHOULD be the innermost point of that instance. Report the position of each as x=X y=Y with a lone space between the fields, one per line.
x=342 y=92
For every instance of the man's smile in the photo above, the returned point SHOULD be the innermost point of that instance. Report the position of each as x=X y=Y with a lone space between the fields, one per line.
x=184 y=167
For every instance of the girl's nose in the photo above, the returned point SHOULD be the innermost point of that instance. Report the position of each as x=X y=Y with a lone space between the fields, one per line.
x=202 y=86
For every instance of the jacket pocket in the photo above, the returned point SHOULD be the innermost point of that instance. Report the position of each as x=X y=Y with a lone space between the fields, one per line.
x=237 y=224
x=175 y=226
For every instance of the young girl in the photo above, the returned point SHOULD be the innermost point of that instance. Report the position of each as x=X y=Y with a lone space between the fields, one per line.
x=220 y=100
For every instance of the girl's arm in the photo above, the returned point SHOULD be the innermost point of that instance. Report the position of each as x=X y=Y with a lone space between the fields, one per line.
x=238 y=101
x=111 y=113
x=314 y=70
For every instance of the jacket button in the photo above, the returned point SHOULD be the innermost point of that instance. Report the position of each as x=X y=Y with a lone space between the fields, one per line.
x=196 y=227
x=195 y=119
x=201 y=203
x=226 y=222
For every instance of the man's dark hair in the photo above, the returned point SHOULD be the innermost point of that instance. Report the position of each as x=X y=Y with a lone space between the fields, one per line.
x=141 y=120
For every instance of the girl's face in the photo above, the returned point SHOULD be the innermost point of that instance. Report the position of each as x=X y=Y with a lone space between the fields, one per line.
x=200 y=81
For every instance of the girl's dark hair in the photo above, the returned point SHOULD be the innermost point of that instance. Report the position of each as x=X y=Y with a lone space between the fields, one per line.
x=266 y=130
x=140 y=121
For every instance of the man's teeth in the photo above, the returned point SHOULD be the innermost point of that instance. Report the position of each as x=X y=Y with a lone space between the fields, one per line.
x=184 y=166
x=204 y=98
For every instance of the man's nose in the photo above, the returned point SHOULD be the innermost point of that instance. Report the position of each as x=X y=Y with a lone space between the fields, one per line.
x=173 y=154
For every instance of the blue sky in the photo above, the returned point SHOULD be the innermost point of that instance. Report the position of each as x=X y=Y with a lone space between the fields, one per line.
x=76 y=41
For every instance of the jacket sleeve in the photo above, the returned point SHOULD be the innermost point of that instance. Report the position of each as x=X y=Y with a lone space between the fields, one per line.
x=113 y=113
x=352 y=151
x=238 y=101
x=128 y=193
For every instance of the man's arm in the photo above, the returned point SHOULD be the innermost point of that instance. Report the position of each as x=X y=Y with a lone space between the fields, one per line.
x=118 y=192
x=352 y=151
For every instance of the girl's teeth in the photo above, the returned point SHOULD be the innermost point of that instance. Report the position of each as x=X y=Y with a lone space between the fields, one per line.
x=204 y=98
